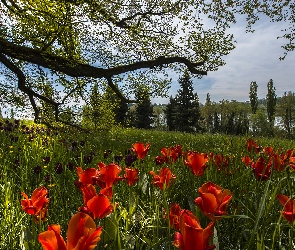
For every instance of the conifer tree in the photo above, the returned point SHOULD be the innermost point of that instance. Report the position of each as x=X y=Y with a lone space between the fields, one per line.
x=271 y=100
x=144 y=110
x=187 y=110
x=208 y=114
x=170 y=114
x=253 y=97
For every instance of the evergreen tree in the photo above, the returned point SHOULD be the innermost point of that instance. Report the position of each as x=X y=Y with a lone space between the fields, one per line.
x=253 y=97
x=121 y=113
x=187 y=110
x=170 y=114
x=271 y=100
x=144 y=110
x=208 y=114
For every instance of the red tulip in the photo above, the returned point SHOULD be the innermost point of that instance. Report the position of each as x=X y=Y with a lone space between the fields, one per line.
x=253 y=146
x=131 y=176
x=261 y=170
x=88 y=192
x=247 y=160
x=164 y=179
x=82 y=234
x=196 y=162
x=220 y=161
x=100 y=206
x=171 y=154
x=281 y=160
x=192 y=236
x=37 y=204
x=109 y=174
x=174 y=215
x=213 y=201
x=140 y=149
x=88 y=175
x=289 y=207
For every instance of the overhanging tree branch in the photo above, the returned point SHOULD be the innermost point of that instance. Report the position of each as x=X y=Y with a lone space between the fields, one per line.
x=77 y=69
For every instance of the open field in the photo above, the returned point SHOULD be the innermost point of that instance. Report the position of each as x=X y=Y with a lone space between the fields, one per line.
x=251 y=175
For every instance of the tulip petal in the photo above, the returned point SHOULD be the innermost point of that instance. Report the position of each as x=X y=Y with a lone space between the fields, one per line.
x=100 y=206
x=80 y=226
x=51 y=239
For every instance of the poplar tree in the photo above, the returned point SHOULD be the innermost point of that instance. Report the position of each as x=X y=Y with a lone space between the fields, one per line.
x=271 y=100
x=253 y=97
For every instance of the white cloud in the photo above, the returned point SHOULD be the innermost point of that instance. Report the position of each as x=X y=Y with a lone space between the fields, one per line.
x=255 y=58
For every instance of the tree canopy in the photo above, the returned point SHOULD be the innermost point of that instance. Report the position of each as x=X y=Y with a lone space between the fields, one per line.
x=72 y=45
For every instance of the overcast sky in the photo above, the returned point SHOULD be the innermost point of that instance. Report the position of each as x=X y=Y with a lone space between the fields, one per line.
x=255 y=58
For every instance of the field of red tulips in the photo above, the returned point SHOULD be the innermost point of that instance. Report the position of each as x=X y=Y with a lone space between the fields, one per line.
x=136 y=189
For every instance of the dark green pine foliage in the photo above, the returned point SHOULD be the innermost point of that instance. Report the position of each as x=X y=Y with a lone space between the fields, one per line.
x=144 y=111
x=253 y=97
x=187 y=110
x=170 y=114
x=121 y=113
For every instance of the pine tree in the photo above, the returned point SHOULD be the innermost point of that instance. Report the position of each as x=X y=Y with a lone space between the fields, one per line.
x=253 y=97
x=208 y=114
x=144 y=110
x=187 y=110
x=170 y=114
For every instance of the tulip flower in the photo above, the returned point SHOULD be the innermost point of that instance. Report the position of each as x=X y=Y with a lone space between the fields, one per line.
x=192 y=236
x=164 y=179
x=247 y=160
x=96 y=205
x=196 y=162
x=281 y=160
x=82 y=234
x=140 y=149
x=261 y=170
x=88 y=175
x=289 y=207
x=131 y=176
x=220 y=161
x=100 y=206
x=109 y=174
x=37 y=204
x=171 y=154
x=253 y=146
x=213 y=201
x=174 y=215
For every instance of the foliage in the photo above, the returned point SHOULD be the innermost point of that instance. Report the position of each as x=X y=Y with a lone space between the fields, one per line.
x=78 y=42
x=185 y=112
x=271 y=101
x=98 y=112
x=285 y=110
x=253 y=96
x=144 y=110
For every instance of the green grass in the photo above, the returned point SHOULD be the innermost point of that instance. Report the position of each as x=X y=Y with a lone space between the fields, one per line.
x=253 y=221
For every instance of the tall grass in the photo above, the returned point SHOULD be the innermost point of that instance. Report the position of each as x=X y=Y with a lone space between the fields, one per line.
x=138 y=220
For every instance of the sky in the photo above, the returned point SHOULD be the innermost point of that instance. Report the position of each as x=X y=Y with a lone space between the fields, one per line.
x=255 y=58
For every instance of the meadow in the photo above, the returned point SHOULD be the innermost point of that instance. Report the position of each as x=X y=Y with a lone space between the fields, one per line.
x=166 y=190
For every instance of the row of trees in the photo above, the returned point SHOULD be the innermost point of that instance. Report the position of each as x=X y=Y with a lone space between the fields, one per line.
x=261 y=117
